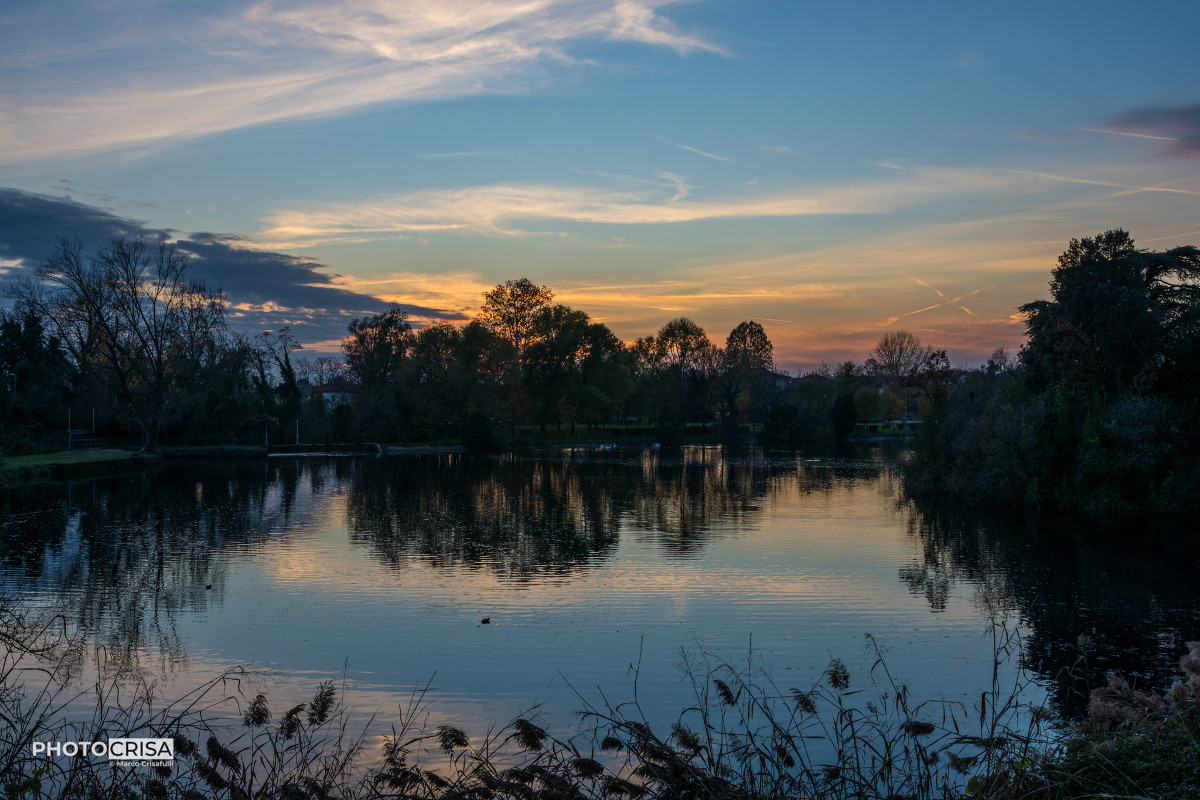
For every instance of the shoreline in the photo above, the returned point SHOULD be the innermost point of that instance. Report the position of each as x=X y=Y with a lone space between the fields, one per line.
x=71 y=464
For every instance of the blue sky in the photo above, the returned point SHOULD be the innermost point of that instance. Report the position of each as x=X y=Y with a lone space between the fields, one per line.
x=833 y=171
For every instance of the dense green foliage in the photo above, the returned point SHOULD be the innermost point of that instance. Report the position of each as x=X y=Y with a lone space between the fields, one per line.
x=1099 y=417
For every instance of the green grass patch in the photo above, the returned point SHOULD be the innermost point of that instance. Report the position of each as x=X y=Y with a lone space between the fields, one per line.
x=65 y=457
x=65 y=464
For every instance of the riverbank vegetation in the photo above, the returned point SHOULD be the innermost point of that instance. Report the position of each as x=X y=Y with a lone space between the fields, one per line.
x=1100 y=415
x=849 y=733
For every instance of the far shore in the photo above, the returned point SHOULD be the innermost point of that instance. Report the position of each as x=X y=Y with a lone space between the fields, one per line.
x=80 y=463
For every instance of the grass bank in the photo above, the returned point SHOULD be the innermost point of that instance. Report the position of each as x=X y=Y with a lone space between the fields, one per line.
x=67 y=464
x=90 y=463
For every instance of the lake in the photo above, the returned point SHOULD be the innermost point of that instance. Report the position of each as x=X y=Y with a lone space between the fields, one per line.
x=592 y=566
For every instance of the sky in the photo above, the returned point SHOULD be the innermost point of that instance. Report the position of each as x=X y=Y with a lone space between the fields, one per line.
x=833 y=171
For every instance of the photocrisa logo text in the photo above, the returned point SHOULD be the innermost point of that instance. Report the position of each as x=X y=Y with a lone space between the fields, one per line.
x=113 y=749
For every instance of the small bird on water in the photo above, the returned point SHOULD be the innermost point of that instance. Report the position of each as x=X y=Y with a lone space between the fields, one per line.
x=486 y=621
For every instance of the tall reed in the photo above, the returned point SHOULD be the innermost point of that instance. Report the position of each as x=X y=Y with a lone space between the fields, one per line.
x=844 y=735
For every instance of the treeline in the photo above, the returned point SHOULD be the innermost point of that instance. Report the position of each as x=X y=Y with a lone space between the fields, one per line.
x=127 y=335
x=527 y=361
x=1100 y=416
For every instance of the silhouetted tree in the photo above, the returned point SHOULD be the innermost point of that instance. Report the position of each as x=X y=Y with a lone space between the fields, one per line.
x=677 y=367
x=748 y=347
x=607 y=376
x=1119 y=318
x=554 y=359
x=747 y=365
x=896 y=360
x=375 y=346
x=441 y=393
x=934 y=378
x=131 y=315
x=510 y=311
x=279 y=346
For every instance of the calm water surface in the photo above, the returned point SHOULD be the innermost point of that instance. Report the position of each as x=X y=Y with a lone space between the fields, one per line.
x=588 y=564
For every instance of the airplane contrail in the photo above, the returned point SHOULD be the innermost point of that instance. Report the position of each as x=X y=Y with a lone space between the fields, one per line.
x=951 y=302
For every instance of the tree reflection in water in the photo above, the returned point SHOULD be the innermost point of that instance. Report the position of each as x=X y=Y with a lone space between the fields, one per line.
x=1126 y=602
x=123 y=558
x=532 y=516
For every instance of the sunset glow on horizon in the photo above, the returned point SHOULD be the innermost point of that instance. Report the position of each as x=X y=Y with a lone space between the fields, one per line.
x=830 y=172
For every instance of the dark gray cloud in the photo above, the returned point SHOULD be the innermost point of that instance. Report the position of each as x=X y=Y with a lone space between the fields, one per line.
x=31 y=223
x=1179 y=124
x=299 y=292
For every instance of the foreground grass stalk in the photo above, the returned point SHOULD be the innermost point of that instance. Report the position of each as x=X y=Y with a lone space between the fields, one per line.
x=743 y=738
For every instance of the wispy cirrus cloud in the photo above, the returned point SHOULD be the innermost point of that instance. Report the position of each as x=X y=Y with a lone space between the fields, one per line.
x=149 y=77
x=830 y=299
x=517 y=209
x=695 y=150
x=776 y=150
x=635 y=308
x=914 y=278
x=1178 y=126
x=459 y=292
x=531 y=209
x=463 y=291
x=1112 y=132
